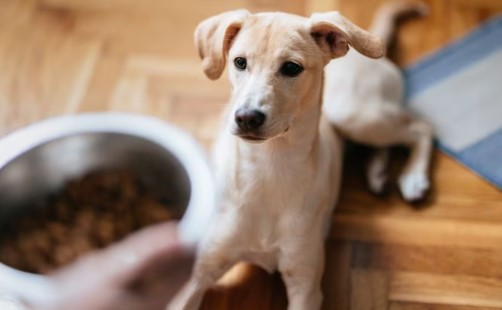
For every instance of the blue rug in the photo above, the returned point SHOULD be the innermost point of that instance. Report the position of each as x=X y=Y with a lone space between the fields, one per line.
x=459 y=89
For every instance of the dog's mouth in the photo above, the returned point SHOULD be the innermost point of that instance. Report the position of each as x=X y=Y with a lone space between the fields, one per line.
x=251 y=138
x=256 y=137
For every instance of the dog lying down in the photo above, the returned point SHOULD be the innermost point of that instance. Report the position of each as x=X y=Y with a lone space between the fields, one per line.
x=278 y=158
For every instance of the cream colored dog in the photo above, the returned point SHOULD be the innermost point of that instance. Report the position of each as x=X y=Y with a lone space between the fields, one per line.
x=278 y=160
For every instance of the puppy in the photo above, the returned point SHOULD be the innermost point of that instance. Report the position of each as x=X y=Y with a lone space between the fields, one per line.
x=363 y=100
x=278 y=160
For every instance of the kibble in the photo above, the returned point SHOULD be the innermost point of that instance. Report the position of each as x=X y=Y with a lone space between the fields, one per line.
x=87 y=214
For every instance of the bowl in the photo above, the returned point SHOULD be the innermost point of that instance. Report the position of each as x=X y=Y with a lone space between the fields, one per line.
x=40 y=159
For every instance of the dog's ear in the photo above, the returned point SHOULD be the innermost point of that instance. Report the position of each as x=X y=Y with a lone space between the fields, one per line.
x=213 y=38
x=334 y=33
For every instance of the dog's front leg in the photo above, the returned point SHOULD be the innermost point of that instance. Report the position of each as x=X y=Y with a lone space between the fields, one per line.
x=301 y=267
x=209 y=267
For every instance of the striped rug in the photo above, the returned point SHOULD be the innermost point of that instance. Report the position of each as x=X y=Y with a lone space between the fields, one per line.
x=459 y=89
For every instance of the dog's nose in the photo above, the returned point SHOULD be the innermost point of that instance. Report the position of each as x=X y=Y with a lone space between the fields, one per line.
x=249 y=119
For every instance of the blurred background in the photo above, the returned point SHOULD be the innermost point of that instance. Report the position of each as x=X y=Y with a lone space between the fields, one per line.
x=68 y=56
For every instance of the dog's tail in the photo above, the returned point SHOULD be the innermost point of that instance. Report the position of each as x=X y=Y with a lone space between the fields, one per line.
x=389 y=13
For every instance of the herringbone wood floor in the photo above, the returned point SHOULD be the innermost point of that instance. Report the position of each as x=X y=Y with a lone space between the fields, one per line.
x=68 y=56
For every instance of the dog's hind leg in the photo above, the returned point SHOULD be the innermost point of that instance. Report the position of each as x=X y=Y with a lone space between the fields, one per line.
x=414 y=180
x=393 y=125
x=376 y=171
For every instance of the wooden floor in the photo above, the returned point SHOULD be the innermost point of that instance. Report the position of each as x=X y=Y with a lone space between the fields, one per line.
x=68 y=56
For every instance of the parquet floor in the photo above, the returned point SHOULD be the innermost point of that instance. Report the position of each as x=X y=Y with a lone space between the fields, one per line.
x=68 y=56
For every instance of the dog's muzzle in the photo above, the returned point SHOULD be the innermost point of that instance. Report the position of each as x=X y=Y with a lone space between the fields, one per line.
x=249 y=122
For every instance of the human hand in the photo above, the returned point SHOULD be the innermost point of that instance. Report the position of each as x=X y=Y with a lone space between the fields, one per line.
x=143 y=271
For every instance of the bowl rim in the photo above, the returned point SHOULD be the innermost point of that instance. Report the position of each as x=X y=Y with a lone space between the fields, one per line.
x=180 y=144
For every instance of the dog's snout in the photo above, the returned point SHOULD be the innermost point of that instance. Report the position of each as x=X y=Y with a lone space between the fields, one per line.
x=248 y=119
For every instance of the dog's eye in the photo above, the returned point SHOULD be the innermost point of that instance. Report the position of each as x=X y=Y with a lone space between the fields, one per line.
x=240 y=63
x=291 y=69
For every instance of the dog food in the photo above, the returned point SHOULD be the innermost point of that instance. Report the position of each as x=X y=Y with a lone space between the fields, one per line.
x=88 y=214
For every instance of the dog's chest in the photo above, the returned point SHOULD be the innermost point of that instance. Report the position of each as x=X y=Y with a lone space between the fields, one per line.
x=264 y=199
x=269 y=186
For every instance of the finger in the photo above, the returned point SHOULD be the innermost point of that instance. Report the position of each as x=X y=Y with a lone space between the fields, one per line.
x=121 y=263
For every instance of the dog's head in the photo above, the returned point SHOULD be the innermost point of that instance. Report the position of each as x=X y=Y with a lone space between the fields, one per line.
x=275 y=63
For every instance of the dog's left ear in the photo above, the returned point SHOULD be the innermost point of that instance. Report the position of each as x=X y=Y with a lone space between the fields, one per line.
x=334 y=33
x=213 y=38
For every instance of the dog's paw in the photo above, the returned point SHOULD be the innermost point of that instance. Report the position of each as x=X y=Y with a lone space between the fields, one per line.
x=414 y=186
x=377 y=181
x=376 y=171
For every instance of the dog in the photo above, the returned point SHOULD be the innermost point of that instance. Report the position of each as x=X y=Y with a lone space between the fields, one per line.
x=278 y=159
x=363 y=100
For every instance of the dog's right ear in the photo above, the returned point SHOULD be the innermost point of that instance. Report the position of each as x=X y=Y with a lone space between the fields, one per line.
x=213 y=38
